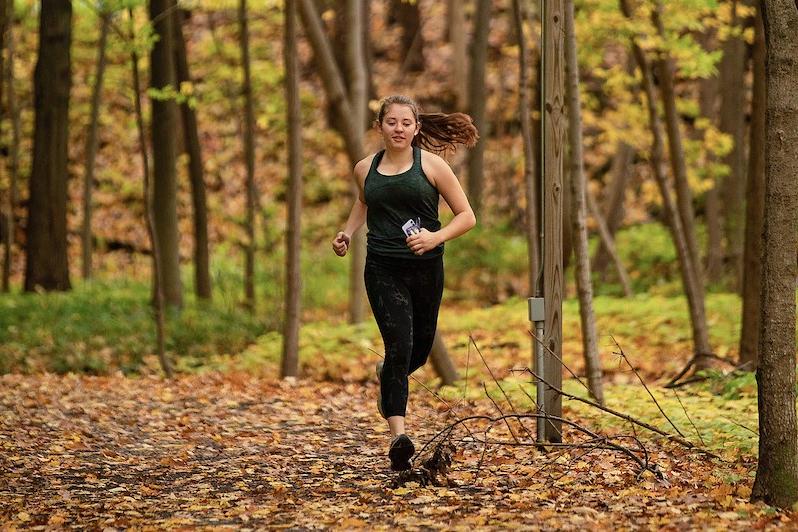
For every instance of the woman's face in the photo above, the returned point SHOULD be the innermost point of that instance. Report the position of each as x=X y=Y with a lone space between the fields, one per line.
x=398 y=126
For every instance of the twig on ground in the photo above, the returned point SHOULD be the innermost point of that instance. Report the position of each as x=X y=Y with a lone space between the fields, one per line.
x=623 y=355
x=689 y=418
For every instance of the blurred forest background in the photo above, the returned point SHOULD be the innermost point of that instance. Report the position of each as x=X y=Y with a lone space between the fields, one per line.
x=218 y=137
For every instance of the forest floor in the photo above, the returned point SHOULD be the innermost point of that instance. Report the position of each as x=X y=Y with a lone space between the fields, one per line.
x=241 y=451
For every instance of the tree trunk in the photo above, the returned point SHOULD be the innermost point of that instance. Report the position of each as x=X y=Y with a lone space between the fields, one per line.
x=13 y=170
x=707 y=100
x=47 y=263
x=164 y=117
x=553 y=164
x=293 y=293
x=358 y=99
x=608 y=241
x=777 y=471
x=684 y=196
x=442 y=362
x=476 y=103
x=91 y=145
x=732 y=122
x=525 y=112
x=408 y=16
x=693 y=289
x=8 y=236
x=351 y=131
x=754 y=207
x=578 y=211
x=613 y=201
x=202 y=275
x=159 y=297
x=249 y=158
x=457 y=38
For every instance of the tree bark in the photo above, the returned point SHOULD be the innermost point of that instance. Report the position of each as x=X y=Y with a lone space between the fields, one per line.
x=693 y=289
x=754 y=207
x=707 y=102
x=91 y=145
x=777 y=471
x=293 y=293
x=8 y=236
x=202 y=275
x=613 y=201
x=442 y=362
x=525 y=112
x=476 y=104
x=684 y=195
x=159 y=297
x=408 y=16
x=13 y=170
x=553 y=165
x=47 y=263
x=608 y=242
x=358 y=99
x=164 y=117
x=457 y=38
x=732 y=122
x=352 y=135
x=578 y=212
x=249 y=158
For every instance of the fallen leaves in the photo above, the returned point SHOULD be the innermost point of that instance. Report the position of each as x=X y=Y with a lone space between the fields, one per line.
x=232 y=450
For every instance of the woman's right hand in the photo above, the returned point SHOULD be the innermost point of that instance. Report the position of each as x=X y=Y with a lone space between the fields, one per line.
x=340 y=243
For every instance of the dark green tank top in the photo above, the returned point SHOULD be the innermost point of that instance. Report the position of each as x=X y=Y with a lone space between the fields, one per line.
x=392 y=200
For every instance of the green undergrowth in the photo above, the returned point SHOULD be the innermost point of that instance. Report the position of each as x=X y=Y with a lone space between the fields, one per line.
x=100 y=327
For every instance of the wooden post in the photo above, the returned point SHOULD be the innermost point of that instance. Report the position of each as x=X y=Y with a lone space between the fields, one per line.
x=554 y=131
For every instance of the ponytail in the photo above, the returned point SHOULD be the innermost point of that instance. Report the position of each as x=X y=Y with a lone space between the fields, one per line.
x=439 y=132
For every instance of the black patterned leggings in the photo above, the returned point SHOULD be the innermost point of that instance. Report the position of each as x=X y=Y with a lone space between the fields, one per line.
x=405 y=295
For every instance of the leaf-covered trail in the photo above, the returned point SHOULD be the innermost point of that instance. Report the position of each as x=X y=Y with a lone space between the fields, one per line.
x=232 y=450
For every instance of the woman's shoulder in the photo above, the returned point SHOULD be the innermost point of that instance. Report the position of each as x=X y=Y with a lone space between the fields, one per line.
x=363 y=165
x=432 y=161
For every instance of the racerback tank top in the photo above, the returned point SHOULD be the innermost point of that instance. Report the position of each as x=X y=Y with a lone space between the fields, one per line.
x=392 y=200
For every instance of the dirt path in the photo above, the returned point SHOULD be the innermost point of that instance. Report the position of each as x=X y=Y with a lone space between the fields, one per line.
x=233 y=451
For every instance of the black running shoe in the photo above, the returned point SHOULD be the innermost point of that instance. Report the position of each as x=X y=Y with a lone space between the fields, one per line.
x=401 y=450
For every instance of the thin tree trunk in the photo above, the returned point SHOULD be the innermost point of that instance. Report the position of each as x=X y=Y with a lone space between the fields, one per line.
x=777 y=471
x=442 y=362
x=707 y=100
x=160 y=299
x=358 y=93
x=525 y=111
x=353 y=140
x=457 y=38
x=46 y=251
x=476 y=103
x=249 y=158
x=8 y=237
x=578 y=211
x=553 y=165
x=164 y=118
x=412 y=43
x=13 y=171
x=693 y=289
x=293 y=293
x=91 y=145
x=684 y=196
x=754 y=207
x=608 y=242
x=613 y=201
x=202 y=275
x=732 y=122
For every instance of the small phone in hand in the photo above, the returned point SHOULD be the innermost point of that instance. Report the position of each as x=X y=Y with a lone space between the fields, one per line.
x=412 y=227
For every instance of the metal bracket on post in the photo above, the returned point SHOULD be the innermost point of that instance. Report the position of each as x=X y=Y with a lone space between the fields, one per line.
x=537 y=315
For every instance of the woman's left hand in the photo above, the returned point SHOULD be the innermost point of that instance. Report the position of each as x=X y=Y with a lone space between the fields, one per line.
x=422 y=242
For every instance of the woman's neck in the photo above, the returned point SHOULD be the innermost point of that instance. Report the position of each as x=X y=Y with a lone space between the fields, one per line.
x=397 y=156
